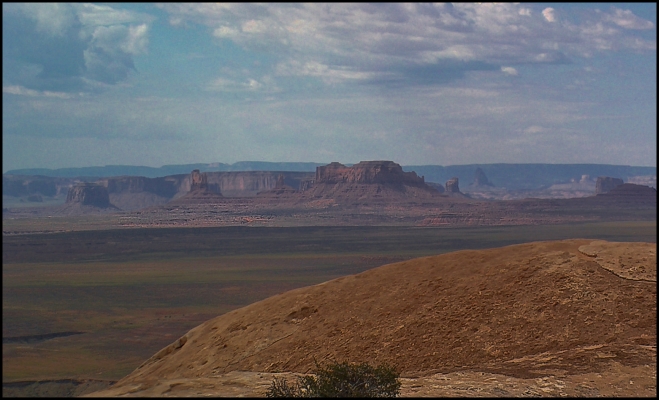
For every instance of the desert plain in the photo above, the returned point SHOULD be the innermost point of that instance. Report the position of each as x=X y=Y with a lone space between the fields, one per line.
x=214 y=296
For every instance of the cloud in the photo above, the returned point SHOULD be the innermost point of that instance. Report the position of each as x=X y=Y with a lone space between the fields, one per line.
x=265 y=85
x=21 y=91
x=347 y=42
x=329 y=74
x=509 y=70
x=533 y=129
x=626 y=19
x=70 y=47
x=549 y=15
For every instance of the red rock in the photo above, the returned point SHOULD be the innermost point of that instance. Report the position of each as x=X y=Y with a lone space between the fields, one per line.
x=91 y=194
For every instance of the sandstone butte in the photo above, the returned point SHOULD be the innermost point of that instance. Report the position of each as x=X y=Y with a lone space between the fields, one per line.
x=560 y=318
x=366 y=180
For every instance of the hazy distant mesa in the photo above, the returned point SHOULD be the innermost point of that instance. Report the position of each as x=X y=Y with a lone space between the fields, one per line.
x=132 y=188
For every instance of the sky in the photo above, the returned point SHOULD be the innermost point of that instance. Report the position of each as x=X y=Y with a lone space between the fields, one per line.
x=93 y=84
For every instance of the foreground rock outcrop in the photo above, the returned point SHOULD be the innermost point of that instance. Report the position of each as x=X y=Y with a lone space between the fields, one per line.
x=559 y=312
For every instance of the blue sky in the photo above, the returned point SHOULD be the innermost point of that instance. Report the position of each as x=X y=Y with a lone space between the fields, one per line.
x=147 y=84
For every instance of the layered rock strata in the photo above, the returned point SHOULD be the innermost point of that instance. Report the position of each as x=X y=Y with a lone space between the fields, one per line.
x=631 y=192
x=199 y=181
x=452 y=186
x=200 y=192
x=367 y=172
x=605 y=184
x=92 y=194
x=366 y=181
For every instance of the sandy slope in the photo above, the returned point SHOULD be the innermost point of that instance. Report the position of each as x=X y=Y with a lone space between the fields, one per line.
x=574 y=317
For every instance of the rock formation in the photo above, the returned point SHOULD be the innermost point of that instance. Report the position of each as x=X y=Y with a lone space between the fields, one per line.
x=37 y=198
x=281 y=188
x=249 y=183
x=92 y=194
x=366 y=181
x=480 y=179
x=605 y=184
x=631 y=191
x=136 y=184
x=367 y=172
x=510 y=311
x=306 y=184
x=199 y=181
x=437 y=186
x=280 y=182
x=452 y=186
x=200 y=192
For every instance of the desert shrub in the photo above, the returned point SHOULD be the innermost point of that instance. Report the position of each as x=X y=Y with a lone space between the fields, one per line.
x=341 y=380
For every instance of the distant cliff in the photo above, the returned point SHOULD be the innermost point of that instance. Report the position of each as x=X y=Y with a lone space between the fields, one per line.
x=508 y=176
x=367 y=180
x=605 y=184
x=89 y=194
x=367 y=172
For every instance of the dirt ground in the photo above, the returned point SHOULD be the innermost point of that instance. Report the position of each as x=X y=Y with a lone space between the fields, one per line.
x=561 y=318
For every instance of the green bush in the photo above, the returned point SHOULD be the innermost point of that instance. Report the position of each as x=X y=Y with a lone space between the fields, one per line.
x=341 y=380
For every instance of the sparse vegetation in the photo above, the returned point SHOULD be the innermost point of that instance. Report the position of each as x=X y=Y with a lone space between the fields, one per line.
x=341 y=380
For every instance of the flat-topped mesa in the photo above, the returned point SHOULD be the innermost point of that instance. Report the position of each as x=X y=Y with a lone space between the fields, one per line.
x=605 y=184
x=367 y=172
x=92 y=194
x=630 y=190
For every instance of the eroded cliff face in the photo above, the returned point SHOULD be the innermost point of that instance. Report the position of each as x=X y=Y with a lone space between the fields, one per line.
x=91 y=194
x=137 y=192
x=452 y=185
x=249 y=183
x=367 y=172
x=198 y=181
x=605 y=184
x=480 y=179
x=367 y=180
x=19 y=185
x=137 y=184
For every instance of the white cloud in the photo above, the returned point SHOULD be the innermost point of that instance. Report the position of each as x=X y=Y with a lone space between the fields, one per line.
x=326 y=73
x=99 y=15
x=626 y=19
x=549 y=15
x=509 y=70
x=265 y=85
x=354 y=40
x=225 y=32
x=533 y=129
x=22 y=91
x=51 y=18
x=136 y=40
x=65 y=47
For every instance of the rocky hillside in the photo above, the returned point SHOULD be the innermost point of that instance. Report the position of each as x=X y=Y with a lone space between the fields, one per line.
x=564 y=318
